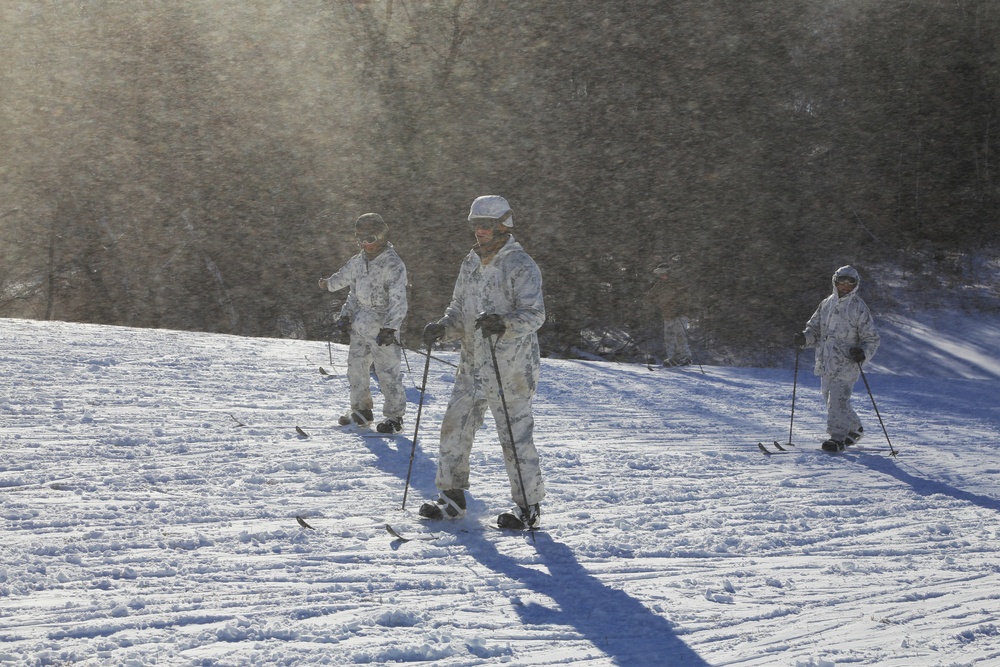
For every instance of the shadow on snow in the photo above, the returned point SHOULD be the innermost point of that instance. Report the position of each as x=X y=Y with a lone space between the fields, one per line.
x=616 y=623
x=926 y=487
x=613 y=621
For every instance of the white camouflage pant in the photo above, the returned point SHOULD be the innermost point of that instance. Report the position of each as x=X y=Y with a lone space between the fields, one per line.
x=675 y=341
x=841 y=418
x=360 y=357
x=463 y=417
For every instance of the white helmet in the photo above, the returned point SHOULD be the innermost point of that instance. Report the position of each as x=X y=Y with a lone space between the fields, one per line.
x=492 y=207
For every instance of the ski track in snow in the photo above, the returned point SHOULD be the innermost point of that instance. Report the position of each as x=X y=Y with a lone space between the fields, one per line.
x=142 y=524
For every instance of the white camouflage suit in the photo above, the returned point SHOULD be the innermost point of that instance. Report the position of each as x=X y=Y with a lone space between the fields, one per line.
x=839 y=324
x=509 y=285
x=377 y=300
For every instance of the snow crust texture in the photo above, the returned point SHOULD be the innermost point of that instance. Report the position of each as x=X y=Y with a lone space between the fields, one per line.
x=150 y=483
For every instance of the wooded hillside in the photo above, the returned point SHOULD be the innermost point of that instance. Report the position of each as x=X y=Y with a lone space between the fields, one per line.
x=198 y=165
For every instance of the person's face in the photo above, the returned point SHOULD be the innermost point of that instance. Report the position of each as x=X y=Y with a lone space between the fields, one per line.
x=484 y=229
x=368 y=240
x=845 y=285
x=484 y=236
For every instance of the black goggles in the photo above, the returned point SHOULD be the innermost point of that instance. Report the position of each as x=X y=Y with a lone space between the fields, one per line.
x=371 y=238
x=484 y=222
x=846 y=280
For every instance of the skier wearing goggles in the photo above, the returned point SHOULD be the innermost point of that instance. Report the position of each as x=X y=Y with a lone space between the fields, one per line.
x=371 y=316
x=843 y=332
x=495 y=311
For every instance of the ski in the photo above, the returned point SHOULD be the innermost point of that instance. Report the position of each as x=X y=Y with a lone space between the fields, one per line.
x=363 y=431
x=430 y=537
x=375 y=435
x=425 y=537
x=851 y=448
x=239 y=424
x=781 y=448
x=323 y=371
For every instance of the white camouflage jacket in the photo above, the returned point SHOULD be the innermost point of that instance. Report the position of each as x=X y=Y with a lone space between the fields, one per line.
x=378 y=291
x=838 y=325
x=511 y=286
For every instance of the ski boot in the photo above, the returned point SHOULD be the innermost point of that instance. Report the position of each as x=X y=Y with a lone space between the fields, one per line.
x=521 y=518
x=390 y=425
x=832 y=445
x=449 y=505
x=359 y=417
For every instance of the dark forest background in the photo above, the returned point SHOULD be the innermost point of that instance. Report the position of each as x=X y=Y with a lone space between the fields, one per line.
x=198 y=164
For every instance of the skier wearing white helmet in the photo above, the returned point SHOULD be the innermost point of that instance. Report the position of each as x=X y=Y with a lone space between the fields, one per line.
x=843 y=332
x=372 y=314
x=496 y=307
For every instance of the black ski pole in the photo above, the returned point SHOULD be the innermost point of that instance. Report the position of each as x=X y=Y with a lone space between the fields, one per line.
x=416 y=427
x=407 y=358
x=510 y=429
x=795 y=384
x=444 y=361
x=695 y=361
x=699 y=367
x=409 y=371
x=333 y=367
x=892 y=452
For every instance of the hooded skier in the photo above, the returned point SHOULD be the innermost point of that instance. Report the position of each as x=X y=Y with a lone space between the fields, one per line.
x=372 y=314
x=670 y=297
x=843 y=332
x=497 y=301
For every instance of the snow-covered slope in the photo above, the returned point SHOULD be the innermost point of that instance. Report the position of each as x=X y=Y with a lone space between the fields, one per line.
x=940 y=344
x=143 y=524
